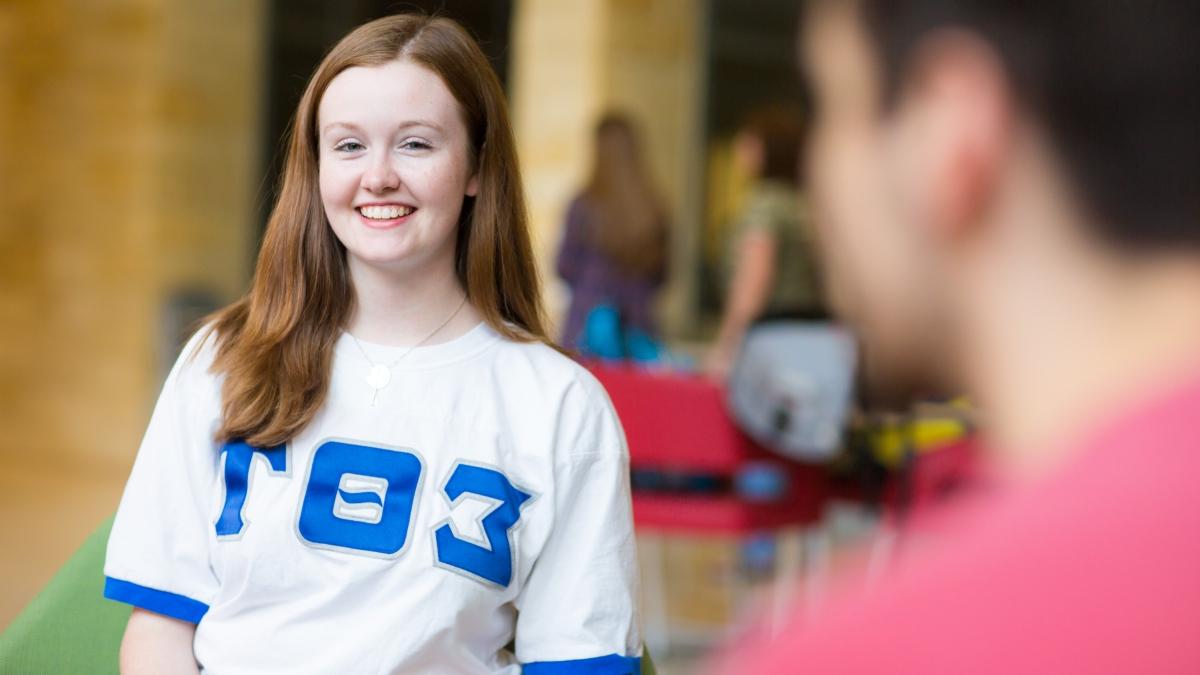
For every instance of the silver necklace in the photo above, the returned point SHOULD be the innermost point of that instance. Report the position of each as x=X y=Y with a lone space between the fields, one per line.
x=380 y=375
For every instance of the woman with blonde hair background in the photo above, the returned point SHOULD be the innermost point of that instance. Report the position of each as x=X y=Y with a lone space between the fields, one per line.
x=374 y=462
x=614 y=247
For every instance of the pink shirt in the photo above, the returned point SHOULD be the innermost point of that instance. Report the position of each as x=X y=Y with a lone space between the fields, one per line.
x=1095 y=569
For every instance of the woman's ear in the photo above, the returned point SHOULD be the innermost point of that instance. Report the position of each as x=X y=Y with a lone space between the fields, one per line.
x=473 y=185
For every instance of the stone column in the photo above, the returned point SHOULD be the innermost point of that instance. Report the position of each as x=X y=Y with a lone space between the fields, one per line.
x=129 y=170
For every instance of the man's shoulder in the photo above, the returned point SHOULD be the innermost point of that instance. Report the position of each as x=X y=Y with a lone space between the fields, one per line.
x=1094 y=569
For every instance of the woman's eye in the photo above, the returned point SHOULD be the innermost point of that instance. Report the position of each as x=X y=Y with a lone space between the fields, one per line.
x=349 y=146
x=414 y=144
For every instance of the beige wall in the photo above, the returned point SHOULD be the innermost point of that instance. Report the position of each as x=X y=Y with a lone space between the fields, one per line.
x=130 y=168
x=572 y=60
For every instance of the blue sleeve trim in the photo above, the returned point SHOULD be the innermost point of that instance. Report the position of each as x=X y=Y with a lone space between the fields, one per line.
x=161 y=602
x=613 y=664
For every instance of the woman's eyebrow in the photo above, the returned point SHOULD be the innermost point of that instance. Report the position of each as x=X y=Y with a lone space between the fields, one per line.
x=406 y=124
x=339 y=125
x=345 y=125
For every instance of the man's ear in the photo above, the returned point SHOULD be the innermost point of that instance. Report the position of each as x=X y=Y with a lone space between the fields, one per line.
x=956 y=83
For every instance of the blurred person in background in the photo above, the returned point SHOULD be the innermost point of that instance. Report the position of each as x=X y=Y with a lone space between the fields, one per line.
x=769 y=269
x=1007 y=203
x=614 y=247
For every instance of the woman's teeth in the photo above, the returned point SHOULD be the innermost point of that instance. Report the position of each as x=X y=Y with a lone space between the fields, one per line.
x=385 y=212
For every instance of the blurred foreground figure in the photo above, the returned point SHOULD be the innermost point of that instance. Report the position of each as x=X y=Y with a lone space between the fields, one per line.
x=1007 y=197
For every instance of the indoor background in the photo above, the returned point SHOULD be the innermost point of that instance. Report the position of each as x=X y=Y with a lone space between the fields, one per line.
x=140 y=143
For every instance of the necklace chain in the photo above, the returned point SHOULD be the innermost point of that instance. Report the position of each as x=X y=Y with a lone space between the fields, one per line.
x=380 y=375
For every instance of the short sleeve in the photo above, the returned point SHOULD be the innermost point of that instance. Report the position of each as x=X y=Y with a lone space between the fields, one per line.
x=578 y=609
x=759 y=214
x=159 y=549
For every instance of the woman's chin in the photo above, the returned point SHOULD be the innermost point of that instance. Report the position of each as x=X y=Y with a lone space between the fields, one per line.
x=401 y=262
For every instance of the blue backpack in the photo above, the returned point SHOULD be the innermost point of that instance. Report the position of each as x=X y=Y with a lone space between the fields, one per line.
x=606 y=337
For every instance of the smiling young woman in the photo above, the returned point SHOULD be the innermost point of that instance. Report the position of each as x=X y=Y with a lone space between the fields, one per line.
x=276 y=344
x=436 y=481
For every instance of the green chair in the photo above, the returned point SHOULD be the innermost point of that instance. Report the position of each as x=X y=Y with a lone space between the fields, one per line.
x=70 y=628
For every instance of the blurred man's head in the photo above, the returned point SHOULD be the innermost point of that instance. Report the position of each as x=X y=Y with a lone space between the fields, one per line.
x=968 y=154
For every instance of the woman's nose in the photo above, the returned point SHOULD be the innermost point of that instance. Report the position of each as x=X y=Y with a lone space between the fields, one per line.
x=381 y=176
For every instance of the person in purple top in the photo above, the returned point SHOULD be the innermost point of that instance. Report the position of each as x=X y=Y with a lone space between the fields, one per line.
x=614 y=248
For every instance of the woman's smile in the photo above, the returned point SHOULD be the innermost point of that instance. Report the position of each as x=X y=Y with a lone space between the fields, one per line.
x=384 y=216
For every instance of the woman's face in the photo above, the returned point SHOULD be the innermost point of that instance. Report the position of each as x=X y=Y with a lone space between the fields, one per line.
x=394 y=166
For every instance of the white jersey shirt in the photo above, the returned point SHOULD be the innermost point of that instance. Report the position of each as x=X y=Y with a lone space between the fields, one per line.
x=483 y=498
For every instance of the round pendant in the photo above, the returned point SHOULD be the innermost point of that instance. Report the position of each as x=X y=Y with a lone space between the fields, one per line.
x=379 y=376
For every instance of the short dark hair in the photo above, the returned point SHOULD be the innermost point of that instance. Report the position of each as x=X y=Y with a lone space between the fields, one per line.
x=1114 y=84
x=779 y=128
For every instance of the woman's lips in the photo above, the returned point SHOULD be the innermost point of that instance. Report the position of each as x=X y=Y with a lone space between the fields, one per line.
x=382 y=216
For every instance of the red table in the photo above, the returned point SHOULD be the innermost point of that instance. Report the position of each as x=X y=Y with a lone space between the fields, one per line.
x=678 y=423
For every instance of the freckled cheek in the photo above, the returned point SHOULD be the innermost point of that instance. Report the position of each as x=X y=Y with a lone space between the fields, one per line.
x=437 y=185
x=337 y=186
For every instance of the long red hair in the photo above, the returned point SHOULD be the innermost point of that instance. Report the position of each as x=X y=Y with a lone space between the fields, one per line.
x=630 y=223
x=275 y=345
